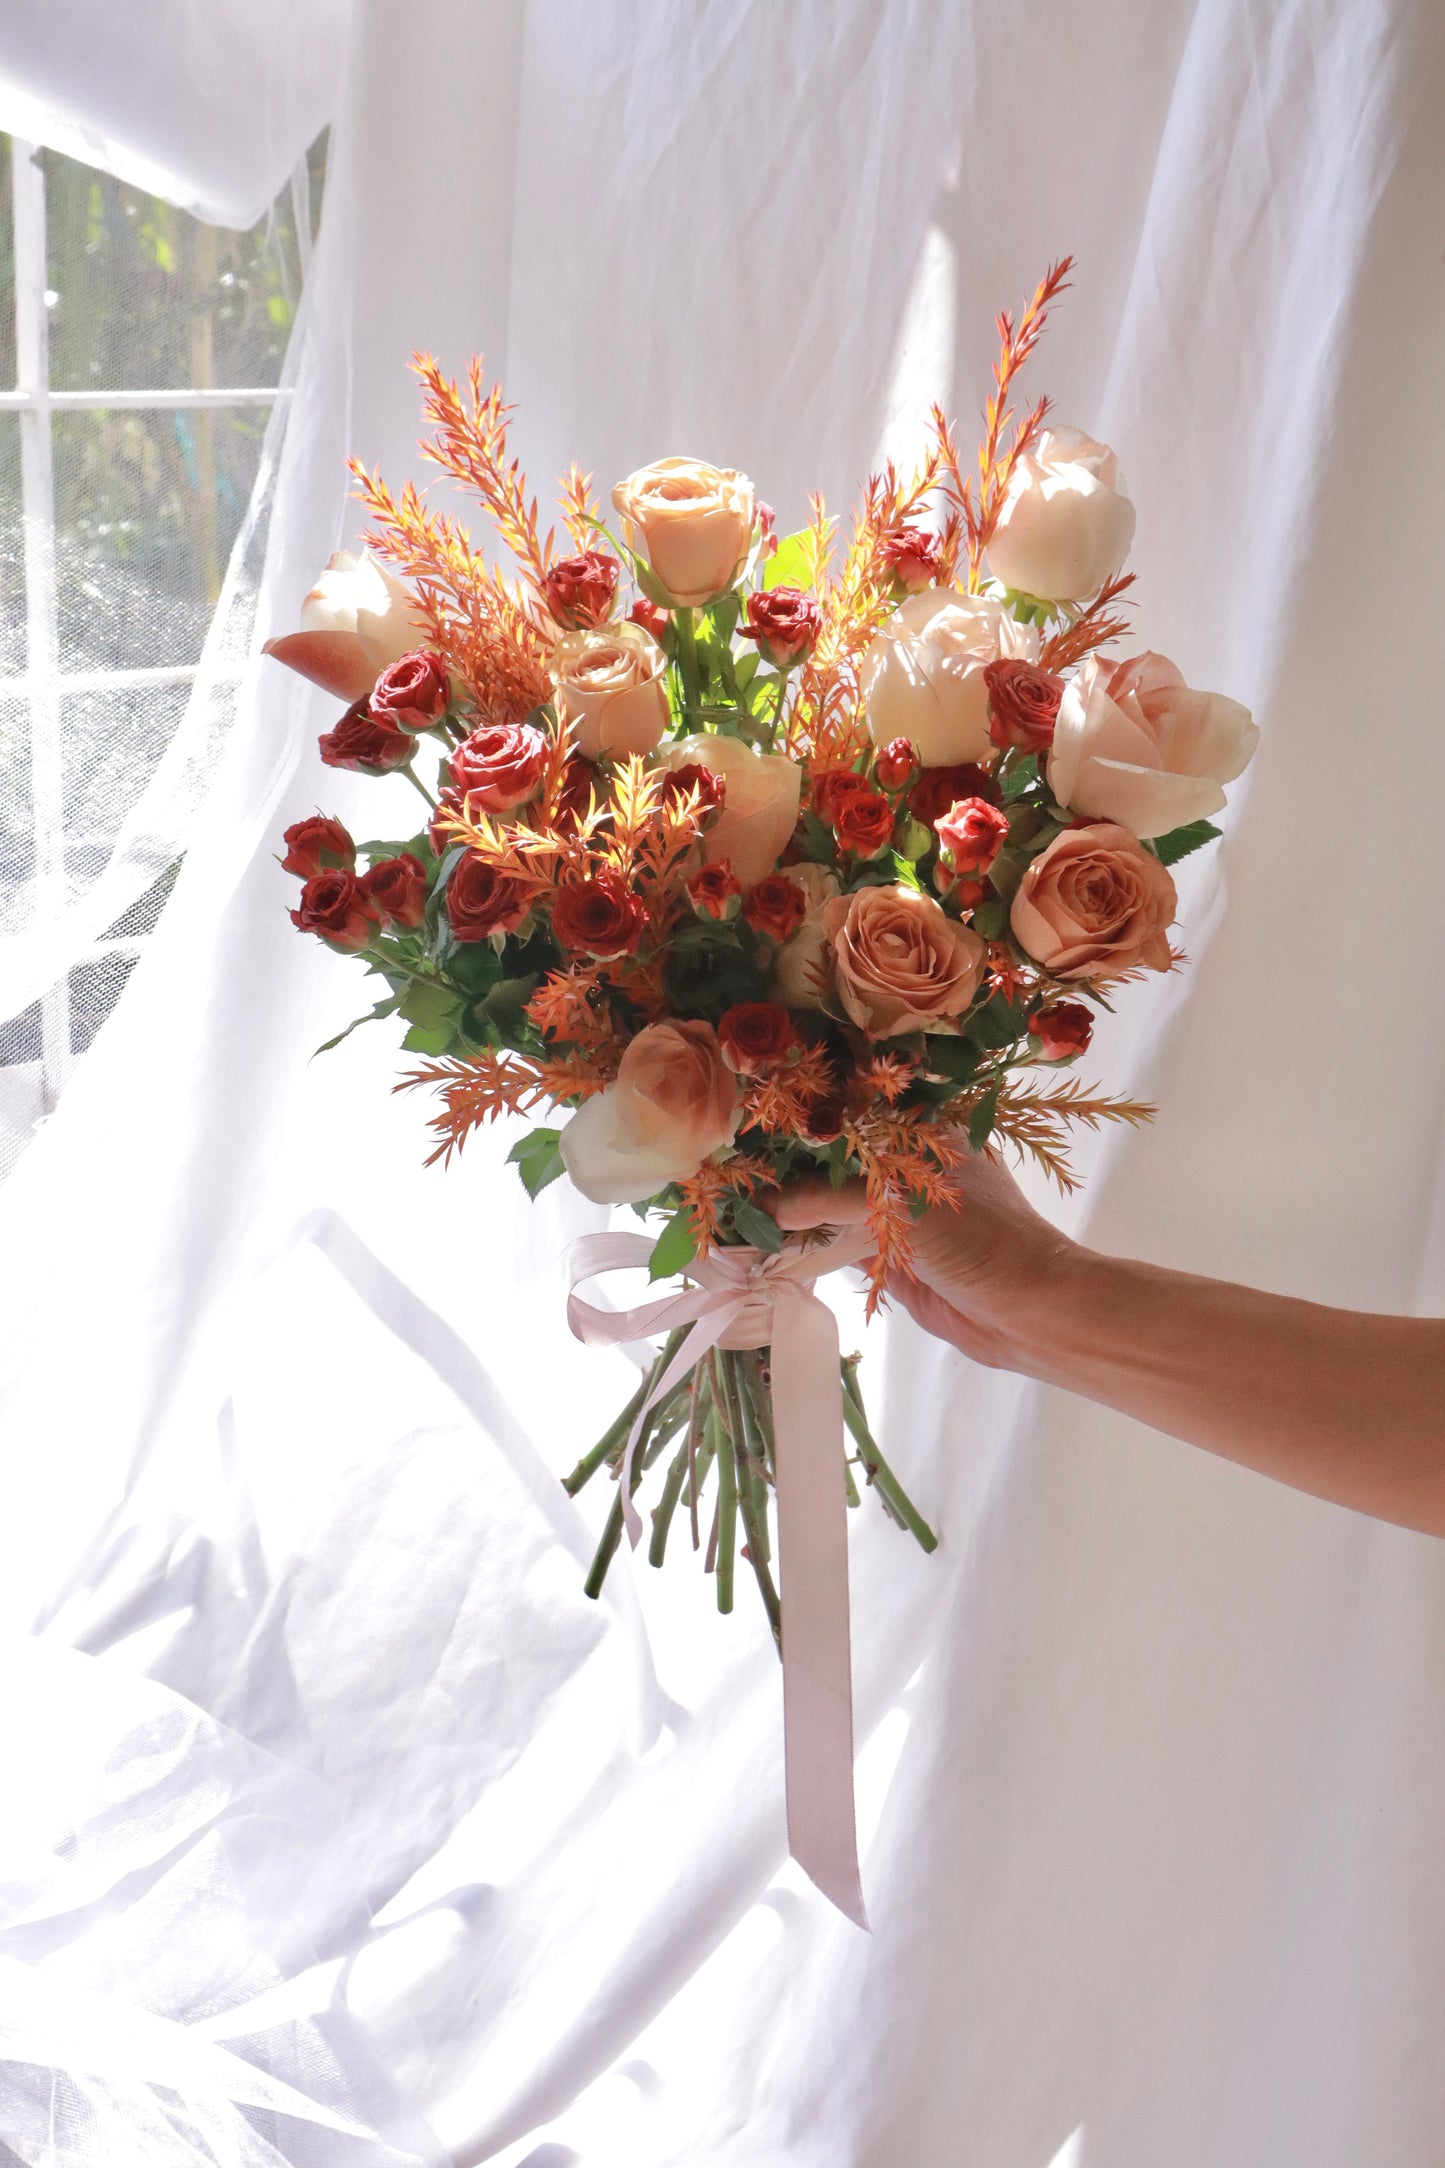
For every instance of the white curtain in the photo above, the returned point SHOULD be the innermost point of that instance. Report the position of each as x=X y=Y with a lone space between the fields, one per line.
x=338 y=1826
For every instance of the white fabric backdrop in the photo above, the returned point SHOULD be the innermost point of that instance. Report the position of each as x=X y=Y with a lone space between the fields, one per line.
x=340 y=1827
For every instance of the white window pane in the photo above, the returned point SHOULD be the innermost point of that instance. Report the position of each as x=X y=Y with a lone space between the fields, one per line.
x=111 y=744
x=12 y=568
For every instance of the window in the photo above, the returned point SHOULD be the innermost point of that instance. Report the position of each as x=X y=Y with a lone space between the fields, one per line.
x=140 y=355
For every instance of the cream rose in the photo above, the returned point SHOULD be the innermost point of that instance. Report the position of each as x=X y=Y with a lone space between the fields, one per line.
x=760 y=810
x=800 y=969
x=922 y=675
x=1093 y=904
x=674 y=1103
x=692 y=522
x=899 y=962
x=1066 y=524
x=356 y=622
x=611 y=687
x=1134 y=744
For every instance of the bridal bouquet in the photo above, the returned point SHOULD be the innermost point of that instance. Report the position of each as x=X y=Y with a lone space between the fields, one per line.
x=752 y=856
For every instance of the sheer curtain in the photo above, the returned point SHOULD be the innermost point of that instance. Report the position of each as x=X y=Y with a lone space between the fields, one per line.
x=349 y=1831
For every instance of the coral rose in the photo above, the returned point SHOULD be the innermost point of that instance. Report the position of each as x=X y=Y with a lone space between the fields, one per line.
x=899 y=962
x=315 y=845
x=335 y=905
x=481 y=901
x=1066 y=525
x=1023 y=705
x=680 y=782
x=760 y=810
x=755 y=1035
x=912 y=557
x=775 y=906
x=801 y=973
x=864 y=822
x=1063 y=1029
x=675 y=1103
x=500 y=766
x=397 y=886
x=1093 y=904
x=785 y=622
x=359 y=742
x=412 y=694
x=580 y=590
x=972 y=832
x=922 y=675
x=939 y=788
x=714 y=890
x=1134 y=744
x=896 y=765
x=611 y=687
x=600 y=917
x=650 y=616
x=356 y=620
x=692 y=522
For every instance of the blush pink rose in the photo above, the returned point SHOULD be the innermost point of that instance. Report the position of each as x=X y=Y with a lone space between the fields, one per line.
x=675 y=1102
x=1093 y=904
x=1133 y=743
x=899 y=962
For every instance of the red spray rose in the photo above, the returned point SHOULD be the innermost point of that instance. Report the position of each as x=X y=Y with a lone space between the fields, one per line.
x=714 y=890
x=397 y=886
x=581 y=590
x=1065 y=1028
x=939 y=788
x=832 y=790
x=579 y=781
x=785 y=622
x=600 y=917
x=775 y=906
x=335 y=905
x=412 y=694
x=897 y=764
x=1023 y=704
x=864 y=822
x=316 y=844
x=912 y=557
x=650 y=617
x=481 y=901
x=711 y=789
x=499 y=766
x=972 y=832
x=755 y=1035
x=824 y=1118
x=360 y=742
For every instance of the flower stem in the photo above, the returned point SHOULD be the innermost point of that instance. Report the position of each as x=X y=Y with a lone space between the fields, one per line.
x=687 y=662
x=894 y=1496
x=613 y=1436
x=417 y=784
x=727 y=1497
x=777 y=714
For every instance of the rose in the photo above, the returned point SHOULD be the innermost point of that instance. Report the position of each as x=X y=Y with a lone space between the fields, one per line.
x=649 y=616
x=599 y=917
x=864 y=822
x=964 y=893
x=800 y=968
x=481 y=901
x=755 y=1035
x=359 y=742
x=679 y=783
x=832 y=789
x=922 y=675
x=412 y=694
x=939 y=788
x=714 y=890
x=912 y=557
x=899 y=962
x=1134 y=744
x=775 y=906
x=581 y=590
x=1064 y=1029
x=1023 y=705
x=315 y=844
x=972 y=833
x=355 y=621
x=1065 y=525
x=896 y=765
x=785 y=622
x=397 y=886
x=674 y=1103
x=335 y=905
x=500 y=766
x=1093 y=904
x=610 y=686
x=692 y=522
x=761 y=808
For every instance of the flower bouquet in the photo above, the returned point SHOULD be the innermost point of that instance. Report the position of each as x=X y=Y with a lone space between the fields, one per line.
x=757 y=856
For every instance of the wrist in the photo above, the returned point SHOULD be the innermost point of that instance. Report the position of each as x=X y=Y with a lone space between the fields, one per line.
x=1043 y=1333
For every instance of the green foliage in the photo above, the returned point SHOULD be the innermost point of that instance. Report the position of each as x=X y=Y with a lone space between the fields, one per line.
x=757 y=1226
x=1181 y=841
x=997 y=1023
x=674 y=1248
x=980 y=1122
x=791 y=564
x=1019 y=776
x=537 y=1158
x=388 y=1007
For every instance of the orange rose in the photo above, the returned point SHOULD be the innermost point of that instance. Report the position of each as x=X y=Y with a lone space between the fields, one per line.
x=899 y=962
x=692 y=522
x=1093 y=904
x=611 y=686
x=675 y=1102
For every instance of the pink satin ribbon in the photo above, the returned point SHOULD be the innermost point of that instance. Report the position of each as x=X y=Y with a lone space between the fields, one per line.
x=744 y=1298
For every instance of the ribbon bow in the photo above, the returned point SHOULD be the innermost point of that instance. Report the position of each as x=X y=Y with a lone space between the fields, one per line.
x=745 y=1298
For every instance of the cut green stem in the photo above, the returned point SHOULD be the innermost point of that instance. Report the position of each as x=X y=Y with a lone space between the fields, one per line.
x=894 y=1496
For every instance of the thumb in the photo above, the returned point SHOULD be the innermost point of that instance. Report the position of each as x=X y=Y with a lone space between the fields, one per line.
x=812 y=1201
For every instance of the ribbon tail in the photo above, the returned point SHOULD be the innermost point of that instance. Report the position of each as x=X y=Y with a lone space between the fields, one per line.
x=813 y=1561
x=704 y=1336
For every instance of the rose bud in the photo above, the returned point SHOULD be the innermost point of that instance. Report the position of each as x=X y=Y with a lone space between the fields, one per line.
x=1064 y=1029
x=397 y=886
x=711 y=789
x=600 y=917
x=864 y=822
x=335 y=905
x=361 y=743
x=971 y=834
x=650 y=617
x=581 y=590
x=481 y=901
x=912 y=557
x=714 y=891
x=939 y=788
x=755 y=1035
x=785 y=622
x=1023 y=704
x=412 y=694
x=896 y=765
x=500 y=766
x=317 y=844
x=767 y=525
x=775 y=906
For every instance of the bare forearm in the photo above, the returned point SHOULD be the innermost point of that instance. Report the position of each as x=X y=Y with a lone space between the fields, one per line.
x=1350 y=1407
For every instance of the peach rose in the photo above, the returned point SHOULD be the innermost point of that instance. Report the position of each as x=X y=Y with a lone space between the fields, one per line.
x=692 y=522
x=760 y=810
x=1093 y=904
x=1066 y=524
x=899 y=962
x=610 y=686
x=674 y=1103
x=801 y=976
x=356 y=622
x=1133 y=744
x=922 y=676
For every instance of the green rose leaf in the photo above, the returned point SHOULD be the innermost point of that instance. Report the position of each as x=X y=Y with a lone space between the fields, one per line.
x=537 y=1159
x=1181 y=841
x=675 y=1248
x=757 y=1226
x=980 y=1122
x=791 y=564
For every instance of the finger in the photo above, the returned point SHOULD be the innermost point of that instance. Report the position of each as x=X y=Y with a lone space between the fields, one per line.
x=812 y=1201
